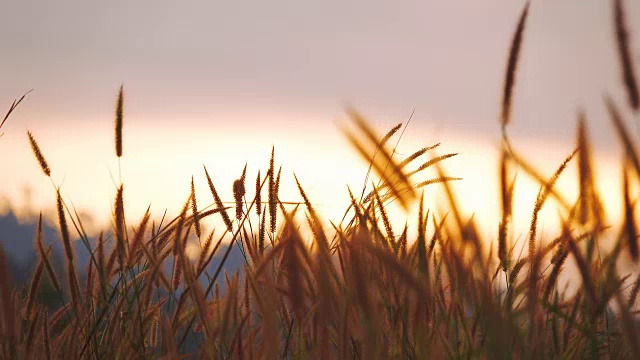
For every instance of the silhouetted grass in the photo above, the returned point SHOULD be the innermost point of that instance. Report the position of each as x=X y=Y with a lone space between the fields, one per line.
x=359 y=290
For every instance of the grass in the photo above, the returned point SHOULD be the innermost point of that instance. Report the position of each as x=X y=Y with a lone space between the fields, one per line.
x=361 y=289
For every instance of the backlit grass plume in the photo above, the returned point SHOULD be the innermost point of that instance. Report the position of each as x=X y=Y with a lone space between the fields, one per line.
x=258 y=195
x=238 y=192
x=373 y=150
x=218 y=201
x=361 y=290
x=625 y=54
x=512 y=64
x=273 y=211
x=38 y=154
x=194 y=210
x=119 y=121
x=630 y=228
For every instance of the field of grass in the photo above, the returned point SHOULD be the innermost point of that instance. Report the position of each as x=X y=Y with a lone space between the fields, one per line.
x=360 y=289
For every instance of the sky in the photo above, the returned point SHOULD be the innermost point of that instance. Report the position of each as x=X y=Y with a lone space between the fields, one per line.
x=220 y=83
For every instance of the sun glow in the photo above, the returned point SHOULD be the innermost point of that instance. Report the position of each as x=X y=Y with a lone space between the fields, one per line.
x=158 y=164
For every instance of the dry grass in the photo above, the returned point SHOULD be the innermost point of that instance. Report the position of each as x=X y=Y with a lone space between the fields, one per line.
x=512 y=65
x=38 y=154
x=119 y=121
x=357 y=291
x=624 y=51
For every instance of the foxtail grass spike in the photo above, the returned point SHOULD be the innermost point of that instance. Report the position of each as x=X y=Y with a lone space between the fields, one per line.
x=119 y=121
x=194 y=210
x=512 y=64
x=258 y=195
x=272 y=192
x=631 y=231
x=624 y=51
x=238 y=193
x=216 y=197
x=38 y=154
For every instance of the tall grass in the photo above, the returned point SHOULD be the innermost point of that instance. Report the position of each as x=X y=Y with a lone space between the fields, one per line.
x=363 y=289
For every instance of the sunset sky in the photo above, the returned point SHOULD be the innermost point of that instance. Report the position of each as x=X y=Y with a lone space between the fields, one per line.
x=219 y=83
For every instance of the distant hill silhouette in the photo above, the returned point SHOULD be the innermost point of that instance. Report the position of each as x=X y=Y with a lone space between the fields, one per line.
x=17 y=239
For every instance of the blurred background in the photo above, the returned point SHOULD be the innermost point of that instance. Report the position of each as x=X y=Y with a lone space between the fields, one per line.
x=219 y=83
